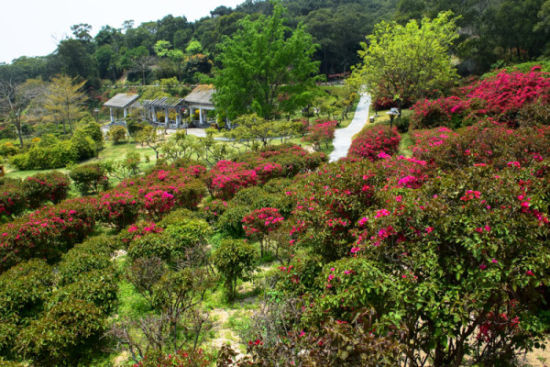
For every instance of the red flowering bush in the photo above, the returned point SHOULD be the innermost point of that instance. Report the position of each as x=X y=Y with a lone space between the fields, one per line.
x=158 y=202
x=138 y=230
x=46 y=233
x=213 y=209
x=120 y=208
x=374 y=143
x=483 y=143
x=322 y=132
x=43 y=187
x=195 y=358
x=259 y=223
x=267 y=171
x=227 y=177
x=12 y=198
x=500 y=97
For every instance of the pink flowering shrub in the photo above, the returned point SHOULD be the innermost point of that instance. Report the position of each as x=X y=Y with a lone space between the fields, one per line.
x=500 y=97
x=465 y=253
x=259 y=223
x=483 y=143
x=321 y=132
x=372 y=141
x=158 y=202
x=227 y=177
x=46 y=232
x=120 y=208
x=43 y=187
x=12 y=198
x=138 y=230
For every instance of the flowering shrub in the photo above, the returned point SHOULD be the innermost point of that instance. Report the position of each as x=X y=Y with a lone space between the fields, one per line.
x=371 y=142
x=464 y=253
x=259 y=223
x=227 y=177
x=138 y=230
x=12 y=198
x=158 y=202
x=46 y=233
x=181 y=358
x=89 y=178
x=483 y=143
x=501 y=97
x=118 y=208
x=322 y=132
x=52 y=186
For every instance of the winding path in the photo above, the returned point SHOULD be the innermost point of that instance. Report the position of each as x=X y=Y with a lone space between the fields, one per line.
x=342 y=137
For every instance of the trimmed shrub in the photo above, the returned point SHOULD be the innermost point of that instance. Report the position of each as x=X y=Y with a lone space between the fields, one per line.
x=12 y=198
x=24 y=288
x=234 y=259
x=89 y=178
x=63 y=334
x=79 y=261
x=42 y=187
x=84 y=146
x=117 y=134
x=97 y=286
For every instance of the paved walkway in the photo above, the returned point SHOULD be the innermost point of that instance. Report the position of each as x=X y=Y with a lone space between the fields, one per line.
x=342 y=137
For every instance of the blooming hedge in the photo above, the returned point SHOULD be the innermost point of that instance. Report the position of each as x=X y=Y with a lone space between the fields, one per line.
x=375 y=142
x=500 y=97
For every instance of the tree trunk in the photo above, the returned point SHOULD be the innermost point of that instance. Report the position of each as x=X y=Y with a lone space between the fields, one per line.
x=19 y=133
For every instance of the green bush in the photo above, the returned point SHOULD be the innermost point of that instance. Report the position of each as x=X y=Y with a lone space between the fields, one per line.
x=63 y=334
x=97 y=286
x=46 y=157
x=235 y=260
x=25 y=287
x=176 y=216
x=8 y=149
x=78 y=261
x=117 y=134
x=134 y=127
x=84 y=146
x=230 y=221
x=93 y=130
x=89 y=178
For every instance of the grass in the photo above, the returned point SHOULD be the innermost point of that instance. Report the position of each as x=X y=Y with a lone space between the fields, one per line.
x=405 y=145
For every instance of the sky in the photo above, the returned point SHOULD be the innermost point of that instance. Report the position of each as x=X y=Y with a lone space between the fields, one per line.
x=34 y=27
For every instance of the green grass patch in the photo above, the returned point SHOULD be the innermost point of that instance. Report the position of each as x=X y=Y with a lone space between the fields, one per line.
x=405 y=145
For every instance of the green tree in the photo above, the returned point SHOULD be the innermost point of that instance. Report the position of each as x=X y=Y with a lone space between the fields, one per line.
x=405 y=62
x=65 y=98
x=266 y=68
x=234 y=259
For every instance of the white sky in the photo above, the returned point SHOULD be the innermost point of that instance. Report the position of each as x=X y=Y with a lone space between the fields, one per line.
x=34 y=27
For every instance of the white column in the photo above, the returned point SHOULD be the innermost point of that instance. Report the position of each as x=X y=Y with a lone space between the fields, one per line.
x=154 y=114
x=166 y=119
x=125 y=112
x=200 y=116
x=112 y=114
x=178 y=119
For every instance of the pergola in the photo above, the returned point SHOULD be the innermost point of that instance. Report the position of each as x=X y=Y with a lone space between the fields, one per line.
x=164 y=104
x=121 y=101
x=200 y=98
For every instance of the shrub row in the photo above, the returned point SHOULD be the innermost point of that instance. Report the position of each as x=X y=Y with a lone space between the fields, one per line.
x=32 y=192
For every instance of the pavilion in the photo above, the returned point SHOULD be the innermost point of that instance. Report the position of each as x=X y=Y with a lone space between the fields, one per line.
x=200 y=99
x=165 y=104
x=121 y=101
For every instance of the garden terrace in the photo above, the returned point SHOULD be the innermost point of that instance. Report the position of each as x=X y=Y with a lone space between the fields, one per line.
x=121 y=101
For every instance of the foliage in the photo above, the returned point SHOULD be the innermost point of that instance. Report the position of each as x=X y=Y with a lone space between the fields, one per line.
x=89 y=178
x=117 y=134
x=259 y=223
x=65 y=99
x=278 y=66
x=62 y=334
x=235 y=260
x=407 y=62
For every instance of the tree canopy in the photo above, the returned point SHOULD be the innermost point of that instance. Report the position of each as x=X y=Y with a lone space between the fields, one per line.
x=266 y=68
x=407 y=62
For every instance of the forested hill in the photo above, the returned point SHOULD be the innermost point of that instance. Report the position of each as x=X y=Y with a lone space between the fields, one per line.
x=492 y=30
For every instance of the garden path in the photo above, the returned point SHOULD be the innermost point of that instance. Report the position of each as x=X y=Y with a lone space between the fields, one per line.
x=343 y=137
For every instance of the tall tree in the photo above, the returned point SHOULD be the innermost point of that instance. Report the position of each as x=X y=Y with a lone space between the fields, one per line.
x=266 y=68
x=65 y=98
x=15 y=100
x=405 y=62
